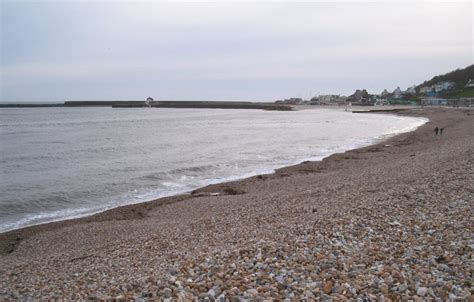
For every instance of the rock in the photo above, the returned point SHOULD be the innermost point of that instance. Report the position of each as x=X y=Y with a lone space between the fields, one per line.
x=173 y=271
x=383 y=288
x=252 y=292
x=211 y=293
x=421 y=291
x=167 y=292
x=172 y=279
x=328 y=287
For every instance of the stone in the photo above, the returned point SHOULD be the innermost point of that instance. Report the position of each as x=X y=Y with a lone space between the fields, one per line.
x=167 y=292
x=252 y=292
x=328 y=287
x=383 y=288
x=421 y=291
x=211 y=293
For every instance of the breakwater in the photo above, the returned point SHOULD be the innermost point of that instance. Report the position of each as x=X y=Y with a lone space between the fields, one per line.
x=205 y=104
x=29 y=105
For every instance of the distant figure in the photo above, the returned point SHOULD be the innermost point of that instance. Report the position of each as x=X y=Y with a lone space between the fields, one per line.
x=436 y=130
x=441 y=131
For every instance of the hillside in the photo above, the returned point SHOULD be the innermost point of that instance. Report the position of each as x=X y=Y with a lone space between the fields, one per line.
x=464 y=93
x=458 y=76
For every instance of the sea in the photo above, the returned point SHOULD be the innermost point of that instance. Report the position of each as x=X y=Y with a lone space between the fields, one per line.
x=61 y=163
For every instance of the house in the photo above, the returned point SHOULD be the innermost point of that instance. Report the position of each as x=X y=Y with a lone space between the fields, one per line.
x=410 y=90
x=314 y=101
x=360 y=97
x=329 y=98
x=381 y=102
x=469 y=84
x=442 y=86
x=397 y=93
x=425 y=89
x=384 y=93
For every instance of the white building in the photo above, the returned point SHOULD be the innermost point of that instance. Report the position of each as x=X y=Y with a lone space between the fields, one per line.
x=397 y=93
x=425 y=89
x=442 y=86
x=469 y=84
x=329 y=98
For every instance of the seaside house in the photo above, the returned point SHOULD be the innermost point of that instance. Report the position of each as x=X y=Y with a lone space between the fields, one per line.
x=381 y=102
x=469 y=84
x=410 y=90
x=437 y=88
x=442 y=86
x=314 y=101
x=361 y=98
x=397 y=93
x=329 y=99
x=425 y=89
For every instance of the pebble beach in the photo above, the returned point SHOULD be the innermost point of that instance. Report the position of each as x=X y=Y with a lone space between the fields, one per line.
x=389 y=222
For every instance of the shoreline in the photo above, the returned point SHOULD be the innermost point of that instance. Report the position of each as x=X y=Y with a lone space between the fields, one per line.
x=188 y=192
x=296 y=209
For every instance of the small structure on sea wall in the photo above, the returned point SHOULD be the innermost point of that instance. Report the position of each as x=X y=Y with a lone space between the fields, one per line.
x=148 y=101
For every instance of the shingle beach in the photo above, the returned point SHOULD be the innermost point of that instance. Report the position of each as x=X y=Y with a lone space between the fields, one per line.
x=388 y=222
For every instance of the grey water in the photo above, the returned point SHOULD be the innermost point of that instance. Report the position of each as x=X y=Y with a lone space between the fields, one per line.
x=60 y=163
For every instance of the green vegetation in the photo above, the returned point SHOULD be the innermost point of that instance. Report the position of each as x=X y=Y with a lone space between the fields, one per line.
x=458 y=76
x=465 y=93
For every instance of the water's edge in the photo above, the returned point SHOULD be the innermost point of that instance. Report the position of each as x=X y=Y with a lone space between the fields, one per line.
x=376 y=140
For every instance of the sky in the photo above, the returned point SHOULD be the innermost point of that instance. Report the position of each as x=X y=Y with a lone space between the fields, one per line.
x=54 y=51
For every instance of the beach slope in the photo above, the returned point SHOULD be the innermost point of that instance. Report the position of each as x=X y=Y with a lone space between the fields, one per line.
x=392 y=220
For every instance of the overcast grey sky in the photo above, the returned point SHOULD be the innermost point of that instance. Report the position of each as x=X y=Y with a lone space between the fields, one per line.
x=73 y=50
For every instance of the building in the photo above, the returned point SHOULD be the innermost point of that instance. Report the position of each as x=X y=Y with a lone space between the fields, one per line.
x=469 y=84
x=314 y=101
x=397 y=93
x=442 y=86
x=329 y=98
x=381 y=102
x=148 y=101
x=434 y=101
x=384 y=93
x=410 y=90
x=425 y=89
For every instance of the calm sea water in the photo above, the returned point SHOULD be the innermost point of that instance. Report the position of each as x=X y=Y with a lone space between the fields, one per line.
x=58 y=163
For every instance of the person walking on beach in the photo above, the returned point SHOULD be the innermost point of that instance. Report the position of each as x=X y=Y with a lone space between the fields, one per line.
x=441 y=131
x=436 y=130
